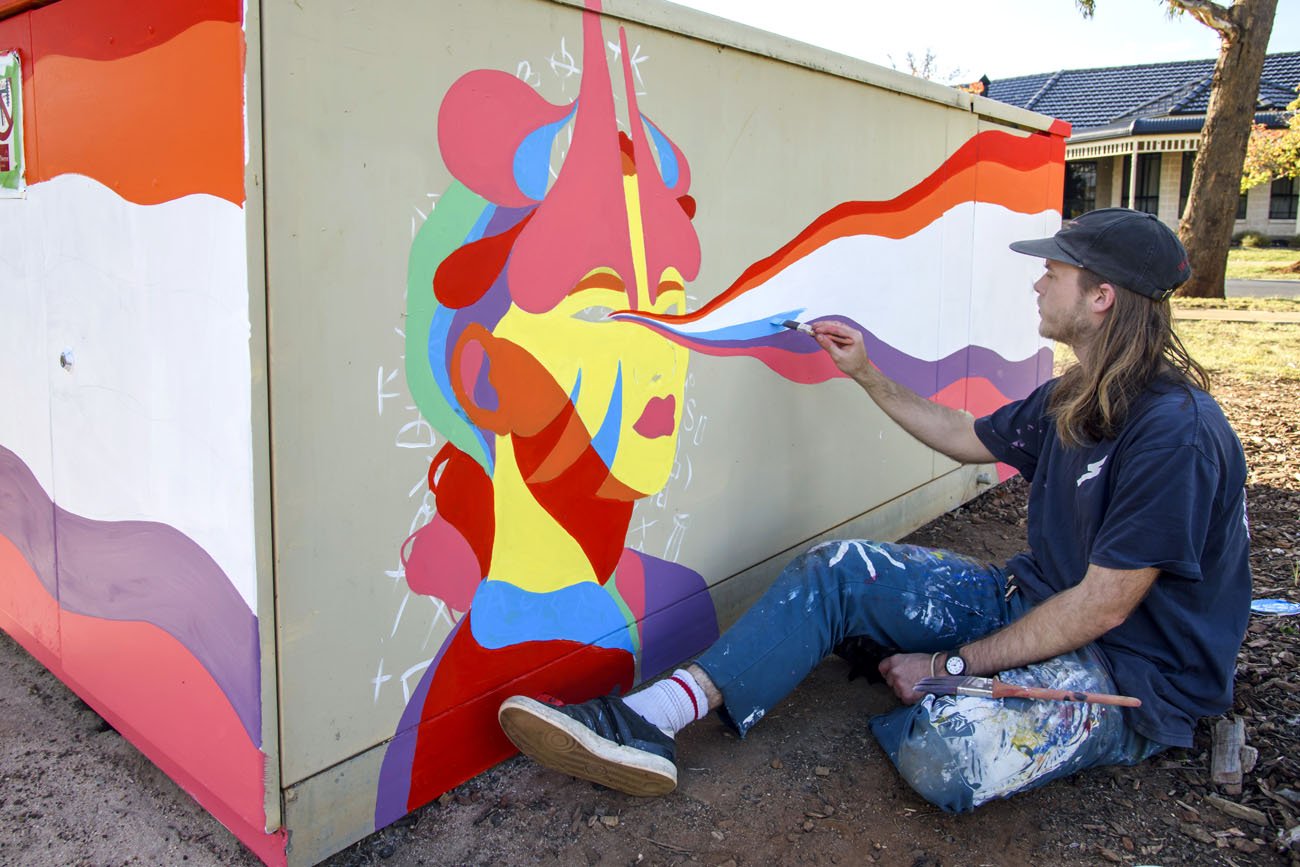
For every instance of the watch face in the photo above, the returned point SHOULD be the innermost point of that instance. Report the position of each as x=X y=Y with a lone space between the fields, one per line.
x=955 y=665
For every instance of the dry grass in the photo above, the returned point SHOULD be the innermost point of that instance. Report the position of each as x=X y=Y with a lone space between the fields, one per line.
x=1262 y=263
x=1272 y=305
x=1243 y=349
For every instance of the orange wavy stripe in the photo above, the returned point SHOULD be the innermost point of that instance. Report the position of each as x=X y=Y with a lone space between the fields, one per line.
x=1015 y=189
x=154 y=126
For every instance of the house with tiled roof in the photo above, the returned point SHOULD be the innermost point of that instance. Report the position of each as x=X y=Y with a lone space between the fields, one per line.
x=1136 y=129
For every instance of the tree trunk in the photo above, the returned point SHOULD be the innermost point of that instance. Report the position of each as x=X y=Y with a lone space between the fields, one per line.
x=1206 y=227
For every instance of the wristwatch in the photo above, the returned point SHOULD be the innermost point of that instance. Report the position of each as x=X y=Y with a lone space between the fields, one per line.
x=954 y=664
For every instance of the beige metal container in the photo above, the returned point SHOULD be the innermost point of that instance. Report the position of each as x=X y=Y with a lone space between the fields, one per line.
x=373 y=362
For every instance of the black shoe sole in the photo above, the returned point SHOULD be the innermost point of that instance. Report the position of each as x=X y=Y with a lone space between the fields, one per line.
x=563 y=744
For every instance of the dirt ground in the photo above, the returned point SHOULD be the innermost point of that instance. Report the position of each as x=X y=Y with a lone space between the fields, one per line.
x=809 y=785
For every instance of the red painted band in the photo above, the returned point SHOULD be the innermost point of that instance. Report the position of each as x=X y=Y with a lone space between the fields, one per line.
x=695 y=706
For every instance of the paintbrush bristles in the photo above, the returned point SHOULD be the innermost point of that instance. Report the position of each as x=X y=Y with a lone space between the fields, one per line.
x=794 y=326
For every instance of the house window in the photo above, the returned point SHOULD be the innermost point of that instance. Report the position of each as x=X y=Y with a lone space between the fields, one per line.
x=1080 y=188
x=1282 y=199
x=1148 y=182
x=1241 y=207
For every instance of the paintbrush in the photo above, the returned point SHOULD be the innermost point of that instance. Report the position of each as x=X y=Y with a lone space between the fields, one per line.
x=794 y=326
x=991 y=687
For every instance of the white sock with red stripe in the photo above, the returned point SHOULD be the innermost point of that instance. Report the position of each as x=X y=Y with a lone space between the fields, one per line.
x=672 y=703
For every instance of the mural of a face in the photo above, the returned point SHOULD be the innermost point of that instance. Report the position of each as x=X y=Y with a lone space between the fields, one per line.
x=624 y=380
x=570 y=413
x=559 y=413
x=552 y=354
x=612 y=234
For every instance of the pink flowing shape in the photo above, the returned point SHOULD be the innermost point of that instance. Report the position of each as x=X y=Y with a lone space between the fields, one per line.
x=441 y=563
x=583 y=222
x=629 y=578
x=483 y=119
x=670 y=239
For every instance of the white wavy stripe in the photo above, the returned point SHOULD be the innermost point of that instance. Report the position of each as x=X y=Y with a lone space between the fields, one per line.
x=153 y=422
x=912 y=292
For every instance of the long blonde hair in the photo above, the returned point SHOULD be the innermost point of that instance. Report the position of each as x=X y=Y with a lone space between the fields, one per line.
x=1135 y=347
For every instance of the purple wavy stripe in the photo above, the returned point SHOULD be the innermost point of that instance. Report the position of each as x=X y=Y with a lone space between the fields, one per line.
x=394 y=788
x=680 y=621
x=138 y=570
x=1013 y=378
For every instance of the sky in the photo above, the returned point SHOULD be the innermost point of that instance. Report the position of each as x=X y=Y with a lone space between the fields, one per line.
x=997 y=38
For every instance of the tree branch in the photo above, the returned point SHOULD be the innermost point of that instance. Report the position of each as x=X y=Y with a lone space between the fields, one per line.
x=1209 y=13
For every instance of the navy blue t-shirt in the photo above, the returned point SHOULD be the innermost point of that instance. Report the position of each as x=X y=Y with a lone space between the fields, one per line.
x=1169 y=493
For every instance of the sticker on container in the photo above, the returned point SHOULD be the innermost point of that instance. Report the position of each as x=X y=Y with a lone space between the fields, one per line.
x=11 y=126
x=1274 y=606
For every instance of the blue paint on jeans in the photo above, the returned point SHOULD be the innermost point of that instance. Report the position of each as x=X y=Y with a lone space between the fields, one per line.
x=956 y=751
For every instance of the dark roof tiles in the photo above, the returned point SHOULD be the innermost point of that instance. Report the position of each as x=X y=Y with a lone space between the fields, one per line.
x=1089 y=98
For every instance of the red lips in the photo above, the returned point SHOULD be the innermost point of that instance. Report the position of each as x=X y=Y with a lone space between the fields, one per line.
x=657 y=418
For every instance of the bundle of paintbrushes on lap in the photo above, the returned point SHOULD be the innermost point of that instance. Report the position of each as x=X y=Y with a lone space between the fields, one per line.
x=991 y=687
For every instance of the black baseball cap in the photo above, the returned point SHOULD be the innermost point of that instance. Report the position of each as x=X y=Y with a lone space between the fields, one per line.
x=1131 y=249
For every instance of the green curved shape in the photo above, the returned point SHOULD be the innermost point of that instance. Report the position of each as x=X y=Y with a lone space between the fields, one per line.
x=457 y=211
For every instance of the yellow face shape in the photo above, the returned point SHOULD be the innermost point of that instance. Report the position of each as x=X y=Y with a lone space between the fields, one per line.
x=625 y=380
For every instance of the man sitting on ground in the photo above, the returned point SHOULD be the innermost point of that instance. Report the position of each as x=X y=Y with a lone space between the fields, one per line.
x=1136 y=579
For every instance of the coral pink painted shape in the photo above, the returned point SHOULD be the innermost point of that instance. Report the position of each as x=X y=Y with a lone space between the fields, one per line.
x=27 y=610
x=670 y=238
x=159 y=697
x=472 y=357
x=483 y=118
x=180 y=717
x=974 y=394
x=806 y=368
x=582 y=224
x=629 y=578
x=442 y=564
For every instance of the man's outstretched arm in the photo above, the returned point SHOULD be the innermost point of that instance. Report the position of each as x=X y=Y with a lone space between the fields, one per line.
x=1067 y=621
x=941 y=428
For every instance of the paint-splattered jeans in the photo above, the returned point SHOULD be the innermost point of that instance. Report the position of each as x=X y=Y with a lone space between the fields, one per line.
x=956 y=751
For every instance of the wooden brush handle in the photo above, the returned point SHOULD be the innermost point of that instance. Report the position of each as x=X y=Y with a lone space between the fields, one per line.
x=1007 y=690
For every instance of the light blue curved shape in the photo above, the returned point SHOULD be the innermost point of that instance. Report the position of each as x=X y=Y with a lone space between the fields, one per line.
x=668 y=167
x=765 y=327
x=457 y=213
x=605 y=442
x=505 y=615
x=532 y=164
x=577 y=387
x=480 y=225
x=437 y=353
